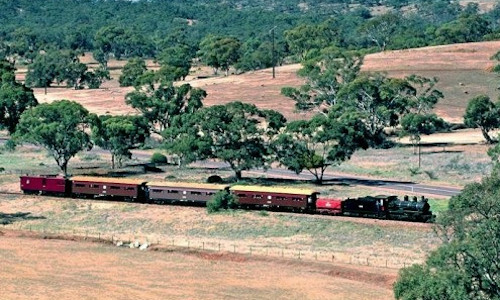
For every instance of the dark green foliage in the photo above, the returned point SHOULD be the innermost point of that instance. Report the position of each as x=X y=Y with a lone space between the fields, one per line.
x=221 y=200
x=175 y=63
x=132 y=71
x=63 y=66
x=158 y=158
x=415 y=125
x=119 y=134
x=319 y=143
x=482 y=113
x=60 y=127
x=325 y=76
x=214 y=179
x=219 y=52
x=236 y=133
x=15 y=98
x=466 y=265
x=160 y=105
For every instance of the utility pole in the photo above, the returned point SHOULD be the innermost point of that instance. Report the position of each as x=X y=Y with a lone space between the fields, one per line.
x=273 y=52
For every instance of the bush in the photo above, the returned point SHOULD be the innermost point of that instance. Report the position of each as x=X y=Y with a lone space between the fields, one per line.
x=214 y=179
x=158 y=158
x=221 y=200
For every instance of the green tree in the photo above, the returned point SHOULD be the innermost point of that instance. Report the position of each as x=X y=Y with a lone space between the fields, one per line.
x=324 y=76
x=466 y=265
x=60 y=127
x=15 y=98
x=236 y=133
x=159 y=106
x=219 y=52
x=381 y=29
x=132 y=71
x=43 y=71
x=175 y=63
x=379 y=102
x=482 y=113
x=316 y=144
x=119 y=134
x=305 y=39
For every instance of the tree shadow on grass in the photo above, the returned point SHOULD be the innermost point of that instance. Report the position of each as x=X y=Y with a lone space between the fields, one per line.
x=6 y=218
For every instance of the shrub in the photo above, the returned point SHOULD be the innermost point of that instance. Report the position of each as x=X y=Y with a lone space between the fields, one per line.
x=158 y=158
x=214 y=179
x=221 y=200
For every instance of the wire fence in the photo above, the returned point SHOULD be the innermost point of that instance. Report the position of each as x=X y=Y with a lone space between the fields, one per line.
x=226 y=247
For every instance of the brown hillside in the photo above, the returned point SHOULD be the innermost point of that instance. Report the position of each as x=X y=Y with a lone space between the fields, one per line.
x=463 y=71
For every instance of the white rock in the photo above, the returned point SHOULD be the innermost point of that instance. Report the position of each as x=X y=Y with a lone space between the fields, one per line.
x=144 y=246
x=137 y=244
x=119 y=244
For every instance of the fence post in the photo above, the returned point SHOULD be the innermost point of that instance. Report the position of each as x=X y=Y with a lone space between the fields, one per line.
x=250 y=250
x=333 y=257
x=203 y=246
x=282 y=252
x=386 y=262
x=315 y=256
x=173 y=242
x=234 y=248
x=219 y=247
x=299 y=254
x=188 y=244
x=367 y=263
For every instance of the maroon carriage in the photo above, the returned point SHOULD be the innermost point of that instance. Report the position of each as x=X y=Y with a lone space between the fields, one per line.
x=169 y=192
x=45 y=185
x=108 y=187
x=276 y=197
x=329 y=206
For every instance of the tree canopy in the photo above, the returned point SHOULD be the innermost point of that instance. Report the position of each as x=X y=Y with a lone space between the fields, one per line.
x=15 y=98
x=482 y=113
x=119 y=134
x=466 y=265
x=160 y=105
x=323 y=141
x=61 y=127
x=236 y=133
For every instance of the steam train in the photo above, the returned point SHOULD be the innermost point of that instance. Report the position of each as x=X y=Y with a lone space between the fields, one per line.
x=249 y=196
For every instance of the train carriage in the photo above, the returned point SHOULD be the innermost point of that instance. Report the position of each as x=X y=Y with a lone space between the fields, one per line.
x=275 y=197
x=45 y=184
x=108 y=187
x=170 y=192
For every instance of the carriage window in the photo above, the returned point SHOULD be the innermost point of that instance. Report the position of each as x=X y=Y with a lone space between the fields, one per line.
x=114 y=187
x=296 y=199
x=195 y=193
x=94 y=186
x=241 y=195
x=173 y=192
x=257 y=196
x=156 y=191
x=281 y=198
x=209 y=193
x=79 y=185
x=129 y=188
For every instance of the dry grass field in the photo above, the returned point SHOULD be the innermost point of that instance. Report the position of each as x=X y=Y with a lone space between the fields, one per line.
x=48 y=269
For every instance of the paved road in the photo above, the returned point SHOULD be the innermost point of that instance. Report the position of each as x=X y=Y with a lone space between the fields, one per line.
x=405 y=186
